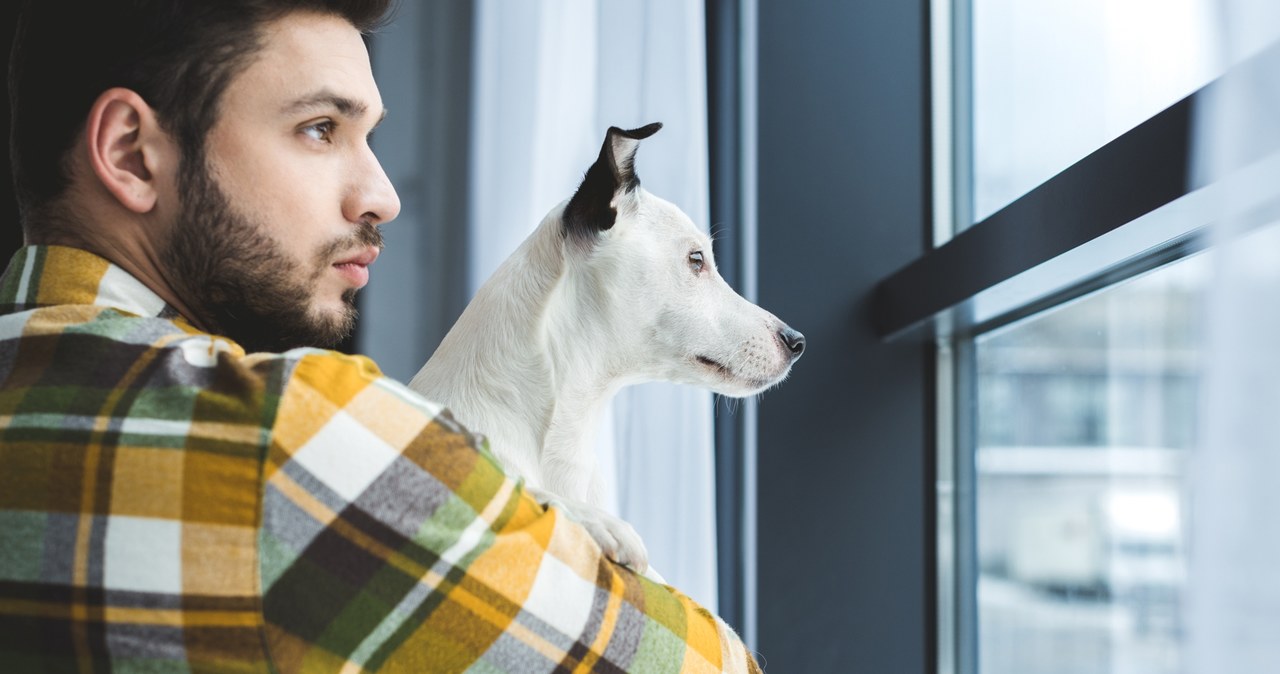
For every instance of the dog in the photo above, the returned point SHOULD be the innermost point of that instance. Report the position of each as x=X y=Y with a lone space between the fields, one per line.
x=616 y=286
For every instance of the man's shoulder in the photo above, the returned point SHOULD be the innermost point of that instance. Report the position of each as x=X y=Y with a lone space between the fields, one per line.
x=92 y=347
x=325 y=378
x=338 y=376
x=328 y=385
x=208 y=377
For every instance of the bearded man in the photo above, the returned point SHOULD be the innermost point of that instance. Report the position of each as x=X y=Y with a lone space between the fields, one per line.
x=187 y=483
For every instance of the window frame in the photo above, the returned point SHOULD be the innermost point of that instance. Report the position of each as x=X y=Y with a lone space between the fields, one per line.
x=732 y=132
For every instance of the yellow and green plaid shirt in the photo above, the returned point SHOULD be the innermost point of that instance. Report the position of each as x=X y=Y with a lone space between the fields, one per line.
x=171 y=504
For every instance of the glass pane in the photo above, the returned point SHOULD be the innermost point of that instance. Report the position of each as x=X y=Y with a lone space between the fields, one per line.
x=1085 y=417
x=1054 y=80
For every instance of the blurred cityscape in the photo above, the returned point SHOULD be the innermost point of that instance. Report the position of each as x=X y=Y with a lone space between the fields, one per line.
x=1085 y=416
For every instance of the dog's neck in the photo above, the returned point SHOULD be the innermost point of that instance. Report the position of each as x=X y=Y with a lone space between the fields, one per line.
x=525 y=368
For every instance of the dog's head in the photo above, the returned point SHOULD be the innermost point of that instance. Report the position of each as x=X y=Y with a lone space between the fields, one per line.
x=641 y=261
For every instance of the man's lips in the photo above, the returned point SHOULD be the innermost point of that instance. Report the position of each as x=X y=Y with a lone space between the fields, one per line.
x=363 y=258
x=356 y=267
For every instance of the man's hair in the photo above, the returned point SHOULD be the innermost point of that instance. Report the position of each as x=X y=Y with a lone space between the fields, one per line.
x=178 y=55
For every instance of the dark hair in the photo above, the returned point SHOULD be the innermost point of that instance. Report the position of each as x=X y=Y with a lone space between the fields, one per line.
x=178 y=55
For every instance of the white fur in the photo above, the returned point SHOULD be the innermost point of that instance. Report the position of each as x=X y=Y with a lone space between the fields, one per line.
x=566 y=321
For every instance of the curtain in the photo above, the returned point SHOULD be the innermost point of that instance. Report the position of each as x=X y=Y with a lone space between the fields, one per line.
x=549 y=78
x=1233 y=607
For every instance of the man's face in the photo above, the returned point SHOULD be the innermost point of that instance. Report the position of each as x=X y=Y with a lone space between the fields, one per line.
x=279 y=216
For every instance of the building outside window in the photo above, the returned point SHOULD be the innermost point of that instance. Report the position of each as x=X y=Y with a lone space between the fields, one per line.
x=1085 y=415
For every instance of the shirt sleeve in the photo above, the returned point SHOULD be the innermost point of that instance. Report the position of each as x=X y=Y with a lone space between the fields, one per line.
x=390 y=541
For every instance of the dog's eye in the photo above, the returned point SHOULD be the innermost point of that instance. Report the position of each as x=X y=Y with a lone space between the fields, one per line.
x=695 y=261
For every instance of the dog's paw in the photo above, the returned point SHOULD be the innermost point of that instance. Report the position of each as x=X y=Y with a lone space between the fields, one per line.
x=616 y=537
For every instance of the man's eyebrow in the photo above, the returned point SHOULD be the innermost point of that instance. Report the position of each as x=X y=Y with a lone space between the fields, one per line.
x=347 y=107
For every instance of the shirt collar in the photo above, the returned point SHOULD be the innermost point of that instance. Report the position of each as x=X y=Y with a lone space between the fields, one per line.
x=43 y=276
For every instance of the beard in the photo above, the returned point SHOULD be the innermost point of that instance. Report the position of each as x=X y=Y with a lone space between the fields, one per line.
x=241 y=284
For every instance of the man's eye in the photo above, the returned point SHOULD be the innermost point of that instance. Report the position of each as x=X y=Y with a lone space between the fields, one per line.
x=321 y=131
x=695 y=261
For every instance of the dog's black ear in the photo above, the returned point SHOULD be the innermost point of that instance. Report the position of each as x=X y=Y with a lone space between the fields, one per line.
x=593 y=207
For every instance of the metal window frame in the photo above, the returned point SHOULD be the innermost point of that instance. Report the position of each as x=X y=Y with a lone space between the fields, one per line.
x=951 y=142
x=731 y=102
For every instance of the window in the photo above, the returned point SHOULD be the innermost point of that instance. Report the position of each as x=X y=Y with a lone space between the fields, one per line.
x=1091 y=159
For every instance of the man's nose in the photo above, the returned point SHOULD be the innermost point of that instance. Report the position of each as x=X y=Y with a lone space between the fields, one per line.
x=374 y=198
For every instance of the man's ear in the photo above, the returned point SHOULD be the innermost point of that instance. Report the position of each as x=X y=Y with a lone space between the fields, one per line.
x=127 y=148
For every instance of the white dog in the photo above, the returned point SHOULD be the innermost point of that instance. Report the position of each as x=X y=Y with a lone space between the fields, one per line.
x=615 y=287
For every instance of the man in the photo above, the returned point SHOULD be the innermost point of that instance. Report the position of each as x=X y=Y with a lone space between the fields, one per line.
x=180 y=491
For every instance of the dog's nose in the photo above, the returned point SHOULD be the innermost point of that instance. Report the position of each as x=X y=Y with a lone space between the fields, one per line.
x=793 y=340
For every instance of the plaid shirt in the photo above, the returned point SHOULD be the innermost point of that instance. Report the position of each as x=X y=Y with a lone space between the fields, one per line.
x=169 y=503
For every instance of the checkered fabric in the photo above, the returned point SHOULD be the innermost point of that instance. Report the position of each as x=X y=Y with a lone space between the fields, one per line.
x=169 y=503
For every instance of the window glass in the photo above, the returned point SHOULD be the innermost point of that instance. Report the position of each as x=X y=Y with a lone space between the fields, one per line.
x=1054 y=80
x=1086 y=414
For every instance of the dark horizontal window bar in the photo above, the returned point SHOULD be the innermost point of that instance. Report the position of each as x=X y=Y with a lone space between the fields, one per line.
x=1131 y=176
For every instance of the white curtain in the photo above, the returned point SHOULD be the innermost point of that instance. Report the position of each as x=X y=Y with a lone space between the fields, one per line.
x=550 y=77
x=1233 y=608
